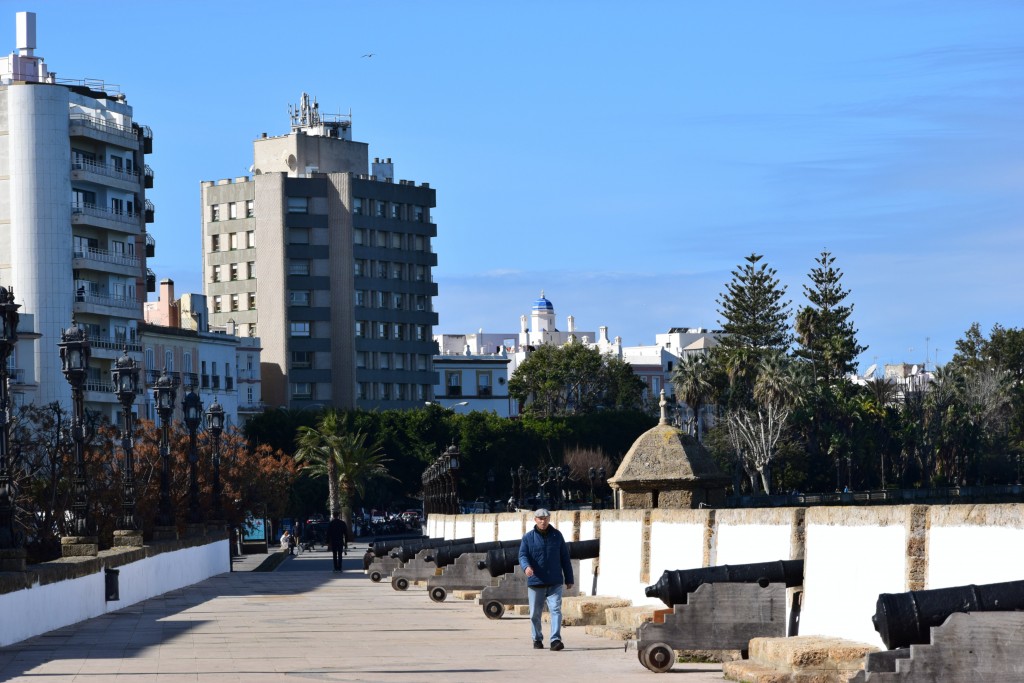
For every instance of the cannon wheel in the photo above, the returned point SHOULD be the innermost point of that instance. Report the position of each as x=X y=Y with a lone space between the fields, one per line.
x=375 y=576
x=658 y=657
x=438 y=594
x=400 y=584
x=494 y=609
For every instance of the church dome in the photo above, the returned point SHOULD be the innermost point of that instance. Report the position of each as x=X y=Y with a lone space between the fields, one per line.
x=542 y=304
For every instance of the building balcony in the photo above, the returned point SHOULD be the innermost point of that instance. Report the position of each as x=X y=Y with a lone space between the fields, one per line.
x=102 y=217
x=84 y=125
x=101 y=304
x=105 y=261
x=112 y=349
x=252 y=408
x=146 y=134
x=150 y=280
x=148 y=177
x=150 y=246
x=150 y=211
x=104 y=174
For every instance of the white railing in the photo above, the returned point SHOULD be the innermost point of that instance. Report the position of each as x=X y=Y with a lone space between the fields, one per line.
x=105 y=256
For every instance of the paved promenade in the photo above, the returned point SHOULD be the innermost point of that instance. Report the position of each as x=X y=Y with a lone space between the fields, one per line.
x=306 y=623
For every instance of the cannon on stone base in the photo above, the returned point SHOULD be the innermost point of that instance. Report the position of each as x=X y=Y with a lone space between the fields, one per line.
x=718 y=608
x=460 y=567
x=904 y=619
x=408 y=550
x=511 y=588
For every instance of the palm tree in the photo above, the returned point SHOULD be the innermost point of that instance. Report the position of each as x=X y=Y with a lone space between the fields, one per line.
x=343 y=457
x=694 y=384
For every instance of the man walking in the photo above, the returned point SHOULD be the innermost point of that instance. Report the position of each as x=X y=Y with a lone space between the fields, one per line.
x=337 y=539
x=544 y=557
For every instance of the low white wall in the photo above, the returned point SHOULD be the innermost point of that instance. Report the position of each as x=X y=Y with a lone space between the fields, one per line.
x=852 y=555
x=484 y=530
x=43 y=608
x=621 y=556
x=464 y=526
x=975 y=544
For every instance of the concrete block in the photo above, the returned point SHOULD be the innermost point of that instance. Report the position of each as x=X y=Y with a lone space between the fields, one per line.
x=629 y=617
x=466 y=595
x=803 y=659
x=588 y=610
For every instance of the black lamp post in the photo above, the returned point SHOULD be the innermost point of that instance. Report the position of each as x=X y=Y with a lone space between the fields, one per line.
x=164 y=393
x=74 y=357
x=215 y=423
x=125 y=376
x=451 y=461
x=9 y=539
x=192 y=409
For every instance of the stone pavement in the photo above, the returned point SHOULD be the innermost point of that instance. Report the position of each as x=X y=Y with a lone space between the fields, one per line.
x=306 y=623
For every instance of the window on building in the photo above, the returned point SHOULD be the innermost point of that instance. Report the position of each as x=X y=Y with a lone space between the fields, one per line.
x=217 y=302
x=250 y=239
x=381 y=238
x=421 y=333
x=215 y=274
x=250 y=395
x=397 y=271
x=169 y=360
x=248 y=362
x=298 y=297
x=396 y=210
x=398 y=332
x=359 y=267
x=298 y=267
x=418 y=214
x=385 y=391
x=382 y=330
x=233 y=270
x=360 y=329
x=298 y=235
x=214 y=242
x=116 y=206
x=359 y=236
x=250 y=210
x=397 y=301
x=215 y=212
x=302 y=359
x=399 y=361
x=232 y=210
x=382 y=209
x=150 y=359
x=299 y=329
x=234 y=241
x=360 y=359
x=396 y=240
x=421 y=392
x=186 y=362
x=250 y=270
x=252 y=301
x=453 y=382
x=421 y=273
x=378 y=300
x=418 y=243
x=357 y=206
x=361 y=391
x=384 y=361
x=298 y=204
x=483 y=382
x=421 y=361
x=302 y=390
x=360 y=297
x=234 y=302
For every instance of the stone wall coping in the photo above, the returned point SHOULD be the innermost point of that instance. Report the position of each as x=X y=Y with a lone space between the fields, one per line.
x=859 y=516
x=1009 y=515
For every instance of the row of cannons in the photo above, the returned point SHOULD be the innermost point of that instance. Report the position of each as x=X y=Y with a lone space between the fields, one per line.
x=710 y=608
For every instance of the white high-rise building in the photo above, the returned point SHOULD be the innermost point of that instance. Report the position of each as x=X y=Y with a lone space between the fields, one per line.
x=73 y=218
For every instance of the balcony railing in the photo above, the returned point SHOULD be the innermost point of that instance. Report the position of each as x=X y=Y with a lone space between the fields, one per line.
x=149 y=177
x=105 y=300
x=115 y=344
x=108 y=170
x=252 y=407
x=99 y=385
x=87 y=209
x=104 y=256
x=103 y=126
x=150 y=246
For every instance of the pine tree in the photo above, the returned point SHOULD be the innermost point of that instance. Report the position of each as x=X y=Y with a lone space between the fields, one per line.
x=754 y=315
x=824 y=330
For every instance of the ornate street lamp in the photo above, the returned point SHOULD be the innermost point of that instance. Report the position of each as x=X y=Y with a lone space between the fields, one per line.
x=74 y=357
x=10 y=540
x=125 y=377
x=451 y=460
x=164 y=393
x=215 y=423
x=192 y=409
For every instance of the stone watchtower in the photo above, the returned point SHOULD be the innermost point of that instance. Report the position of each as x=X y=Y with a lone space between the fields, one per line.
x=668 y=469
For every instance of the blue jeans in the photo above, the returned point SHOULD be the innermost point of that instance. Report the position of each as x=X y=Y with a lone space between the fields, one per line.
x=552 y=595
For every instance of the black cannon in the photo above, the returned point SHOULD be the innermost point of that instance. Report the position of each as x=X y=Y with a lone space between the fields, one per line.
x=446 y=554
x=674 y=585
x=904 y=619
x=505 y=560
x=382 y=548
x=407 y=551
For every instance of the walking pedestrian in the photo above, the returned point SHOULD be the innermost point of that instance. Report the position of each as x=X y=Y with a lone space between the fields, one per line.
x=337 y=539
x=544 y=557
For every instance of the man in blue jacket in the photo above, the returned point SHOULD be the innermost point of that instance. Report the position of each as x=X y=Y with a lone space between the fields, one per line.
x=544 y=558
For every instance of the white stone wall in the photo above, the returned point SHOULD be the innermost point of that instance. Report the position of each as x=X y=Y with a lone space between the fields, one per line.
x=464 y=526
x=45 y=608
x=974 y=544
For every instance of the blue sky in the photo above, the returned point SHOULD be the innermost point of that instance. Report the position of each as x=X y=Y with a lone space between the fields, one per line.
x=623 y=157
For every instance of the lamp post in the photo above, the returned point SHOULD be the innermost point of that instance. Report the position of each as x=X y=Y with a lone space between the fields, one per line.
x=74 y=357
x=164 y=393
x=452 y=464
x=192 y=410
x=215 y=423
x=125 y=377
x=12 y=555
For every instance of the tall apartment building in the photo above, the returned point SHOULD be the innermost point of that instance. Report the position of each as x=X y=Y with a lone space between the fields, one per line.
x=328 y=259
x=73 y=218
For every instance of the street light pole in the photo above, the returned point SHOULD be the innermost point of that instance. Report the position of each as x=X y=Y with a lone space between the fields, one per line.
x=125 y=376
x=215 y=422
x=192 y=410
x=12 y=552
x=74 y=355
x=164 y=393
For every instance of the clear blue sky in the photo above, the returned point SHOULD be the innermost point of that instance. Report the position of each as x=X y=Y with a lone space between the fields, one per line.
x=623 y=157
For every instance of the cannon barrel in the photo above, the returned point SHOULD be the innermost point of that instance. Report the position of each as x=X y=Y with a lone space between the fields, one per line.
x=446 y=554
x=381 y=548
x=905 y=619
x=504 y=560
x=674 y=585
x=407 y=551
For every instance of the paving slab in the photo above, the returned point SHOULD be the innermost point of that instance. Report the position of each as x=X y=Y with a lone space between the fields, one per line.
x=305 y=622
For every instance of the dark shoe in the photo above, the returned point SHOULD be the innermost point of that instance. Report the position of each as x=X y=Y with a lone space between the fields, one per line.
x=538 y=645
x=556 y=645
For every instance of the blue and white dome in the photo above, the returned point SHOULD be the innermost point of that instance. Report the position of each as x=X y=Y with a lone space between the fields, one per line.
x=542 y=304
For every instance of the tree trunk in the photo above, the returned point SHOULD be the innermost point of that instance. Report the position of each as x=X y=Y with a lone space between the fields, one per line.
x=766 y=479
